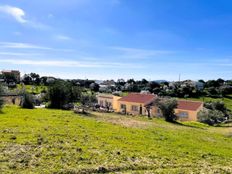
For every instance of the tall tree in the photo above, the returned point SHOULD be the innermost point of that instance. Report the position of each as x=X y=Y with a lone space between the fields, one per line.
x=59 y=94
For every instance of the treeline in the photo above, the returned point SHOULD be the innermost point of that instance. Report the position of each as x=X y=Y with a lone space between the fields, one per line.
x=212 y=88
x=182 y=89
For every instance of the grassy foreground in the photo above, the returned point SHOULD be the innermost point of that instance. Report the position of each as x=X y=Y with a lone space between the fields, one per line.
x=55 y=141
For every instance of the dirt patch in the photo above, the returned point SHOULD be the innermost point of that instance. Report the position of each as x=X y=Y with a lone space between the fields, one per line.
x=125 y=121
x=19 y=156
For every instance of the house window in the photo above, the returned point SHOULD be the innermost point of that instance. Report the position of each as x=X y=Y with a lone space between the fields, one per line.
x=183 y=114
x=123 y=106
x=134 y=108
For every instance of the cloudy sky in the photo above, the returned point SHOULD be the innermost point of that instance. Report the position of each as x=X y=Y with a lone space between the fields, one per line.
x=104 y=39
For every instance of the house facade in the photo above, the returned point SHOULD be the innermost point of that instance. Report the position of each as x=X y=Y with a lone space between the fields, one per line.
x=135 y=103
x=188 y=110
x=143 y=104
x=108 y=100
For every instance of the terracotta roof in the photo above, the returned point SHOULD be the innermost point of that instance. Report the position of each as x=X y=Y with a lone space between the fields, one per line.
x=189 y=105
x=138 y=98
x=109 y=97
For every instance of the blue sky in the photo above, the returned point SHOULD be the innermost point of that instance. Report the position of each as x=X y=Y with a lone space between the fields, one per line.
x=111 y=39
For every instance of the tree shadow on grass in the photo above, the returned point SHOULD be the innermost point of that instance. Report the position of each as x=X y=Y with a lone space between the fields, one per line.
x=1 y=112
x=225 y=126
x=184 y=125
x=229 y=97
x=86 y=114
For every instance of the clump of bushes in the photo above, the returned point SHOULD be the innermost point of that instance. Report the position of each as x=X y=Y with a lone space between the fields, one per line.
x=214 y=113
x=211 y=117
x=27 y=101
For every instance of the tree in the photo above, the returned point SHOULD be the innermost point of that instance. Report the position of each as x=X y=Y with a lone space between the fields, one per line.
x=167 y=107
x=94 y=87
x=35 y=78
x=27 y=80
x=10 y=78
x=87 y=101
x=1 y=100
x=59 y=94
x=212 y=91
x=27 y=101
x=76 y=93
x=211 y=117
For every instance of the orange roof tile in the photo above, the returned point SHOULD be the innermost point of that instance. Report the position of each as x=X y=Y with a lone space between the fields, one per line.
x=189 y=105
x=138 y=98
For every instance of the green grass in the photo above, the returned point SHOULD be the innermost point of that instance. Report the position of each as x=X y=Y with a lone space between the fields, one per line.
x=55 y=141
x=37 y=89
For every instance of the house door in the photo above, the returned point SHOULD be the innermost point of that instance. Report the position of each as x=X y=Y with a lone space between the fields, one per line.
x=140 y=110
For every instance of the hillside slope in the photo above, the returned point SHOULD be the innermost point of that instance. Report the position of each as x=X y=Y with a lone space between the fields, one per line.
x=55 y=141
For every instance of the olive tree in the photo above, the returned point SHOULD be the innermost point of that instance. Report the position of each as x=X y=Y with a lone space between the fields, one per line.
x=167 y=106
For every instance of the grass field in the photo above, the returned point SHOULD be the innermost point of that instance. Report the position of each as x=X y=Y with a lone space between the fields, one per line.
x=55 y=141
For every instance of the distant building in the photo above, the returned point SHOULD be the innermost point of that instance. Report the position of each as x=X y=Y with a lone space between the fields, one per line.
x=15 y=73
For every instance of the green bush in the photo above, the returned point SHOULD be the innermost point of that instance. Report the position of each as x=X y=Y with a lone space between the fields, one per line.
x=211 y=117
x=27 y=101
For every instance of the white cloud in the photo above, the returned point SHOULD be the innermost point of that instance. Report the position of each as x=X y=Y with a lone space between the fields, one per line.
x=62 y=37
x=16 y=33
x=22 y=46
x=139 y=53
x=18 y=45
x=50 y=15
x=18 y=54
x=68 y=63
x=20 y=16
x=15 y=12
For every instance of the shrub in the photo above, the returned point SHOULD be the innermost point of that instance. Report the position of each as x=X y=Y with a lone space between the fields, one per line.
x=211 y=117
x=28 y=101
x=217 y=105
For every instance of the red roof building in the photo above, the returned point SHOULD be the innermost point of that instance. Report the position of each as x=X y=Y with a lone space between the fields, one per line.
x=189 y=105
x=138 y=98
x=187 y=110
x=135 y=103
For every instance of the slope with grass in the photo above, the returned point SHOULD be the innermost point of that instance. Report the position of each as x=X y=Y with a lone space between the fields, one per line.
x=55 y=141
